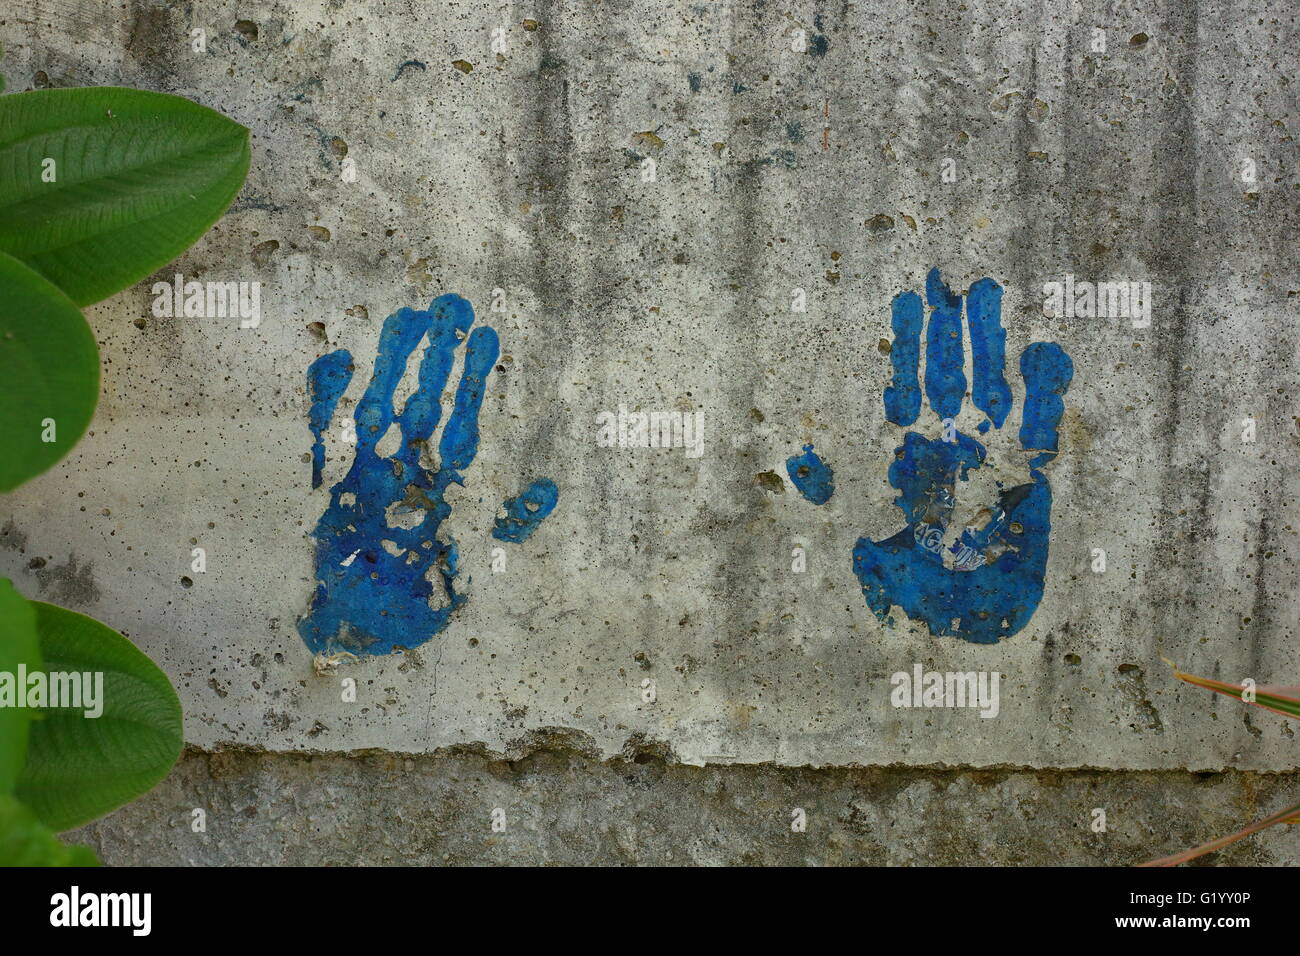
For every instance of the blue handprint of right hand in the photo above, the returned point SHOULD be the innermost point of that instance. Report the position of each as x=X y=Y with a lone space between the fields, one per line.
x=984 y=583
x=378 y=548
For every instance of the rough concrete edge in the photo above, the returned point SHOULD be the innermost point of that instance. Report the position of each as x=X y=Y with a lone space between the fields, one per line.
x=638 y=748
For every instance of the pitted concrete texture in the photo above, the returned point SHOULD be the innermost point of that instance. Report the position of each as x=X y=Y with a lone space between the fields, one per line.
x=557 y=803
x=823 y=169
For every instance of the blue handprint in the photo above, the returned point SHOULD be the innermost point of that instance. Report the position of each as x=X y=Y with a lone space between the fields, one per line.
x=979 y=580
x=378 y=550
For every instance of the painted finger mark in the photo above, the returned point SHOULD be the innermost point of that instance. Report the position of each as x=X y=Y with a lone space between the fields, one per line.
x=459 y=442
x=451 y=318
x=1047 y=371
x=988 y=340
x=327 y=379
x=945 y=381
x=903 y=397
x=525 y=513
x=401 y=333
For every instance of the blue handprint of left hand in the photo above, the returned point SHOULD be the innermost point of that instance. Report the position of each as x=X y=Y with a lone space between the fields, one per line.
x=385 y=578
x=981 y=580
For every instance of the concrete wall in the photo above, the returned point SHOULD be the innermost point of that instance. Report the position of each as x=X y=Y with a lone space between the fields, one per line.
x=776 y=169
x=561 y=805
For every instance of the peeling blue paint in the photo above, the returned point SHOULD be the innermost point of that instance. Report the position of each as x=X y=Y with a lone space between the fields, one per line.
x=812 y=476
x=1047 y=372
x=328 y=379
x=786 y=157
x=984 y=583
x=903 y=397
x=408 y=65
x=988 y=345
x=982 y=605
x=820 y=44
x=945 y=381
x=525 y=513
x=379 y=554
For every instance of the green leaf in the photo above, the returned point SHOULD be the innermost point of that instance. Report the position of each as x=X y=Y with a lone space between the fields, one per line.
x=138 y=177
x=17 y=647
x=1281 y=700
x=25 y=841
x=49 y=372
x=79 y=767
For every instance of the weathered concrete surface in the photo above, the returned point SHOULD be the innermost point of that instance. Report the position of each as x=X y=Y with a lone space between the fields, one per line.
x=562 y=805
x=776 y=170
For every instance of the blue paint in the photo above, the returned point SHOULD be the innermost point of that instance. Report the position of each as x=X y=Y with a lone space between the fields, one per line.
x=945 y=381
x=812 y=476
x=983 y=605
x=375 y=582
x=820 y=44
x=525 y=513
x=328 y=379
x=924 y=471
x=988 y=346
x=459 y=442
x=903 y=397
x=983 y=584
x=1047 y=372
x=408 y=65
x=786 y=157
